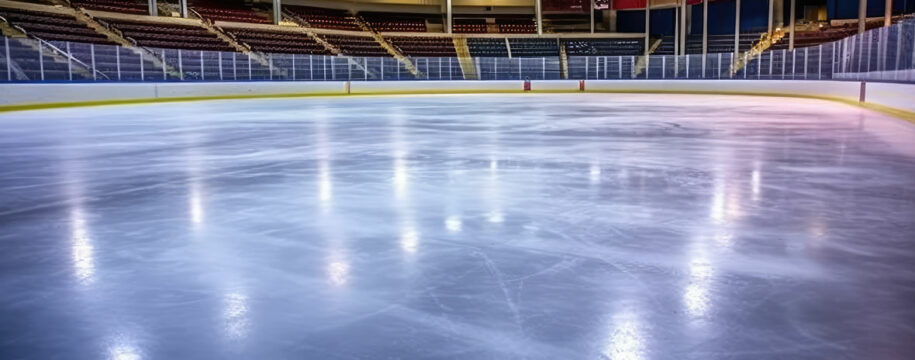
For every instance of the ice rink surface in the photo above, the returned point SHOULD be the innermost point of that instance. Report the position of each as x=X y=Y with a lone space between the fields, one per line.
x=575 y=226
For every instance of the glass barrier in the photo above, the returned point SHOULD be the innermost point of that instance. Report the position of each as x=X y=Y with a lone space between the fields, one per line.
x=883 y=54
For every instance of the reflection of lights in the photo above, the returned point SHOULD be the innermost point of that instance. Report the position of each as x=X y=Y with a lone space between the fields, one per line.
x=325 y=185
x=594 y=173
x=495 y=216
x=409 y=239
x=338 y=273
x=401 y=175
x=626 y=342
x=235 y=311
x=717 y=211
x=493 y=165
x=83 y=260
x=124 y=352
x=756 y=184
x=696 y=295
x=453 y=223
x=196 y=204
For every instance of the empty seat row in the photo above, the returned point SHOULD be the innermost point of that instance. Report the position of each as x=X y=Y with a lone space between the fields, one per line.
x=176 y=36
x=487 y=47
x=325 y=18
x=424 y=46
x=604 y=47
x=268 y=41
x=517 y=26
x=356 y=45
x=229 y=14
x=122 y=6
x=384 y=22
x=533 y=47
x=52 y=26
x=469 y=26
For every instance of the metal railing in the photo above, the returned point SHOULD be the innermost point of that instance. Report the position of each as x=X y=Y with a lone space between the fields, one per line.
x=883 y=54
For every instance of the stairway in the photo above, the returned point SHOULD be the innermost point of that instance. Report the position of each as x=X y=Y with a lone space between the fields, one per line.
x=464 y=58
x=306 y=27
x=765 y=42
x=642 y=63
x=386 y=45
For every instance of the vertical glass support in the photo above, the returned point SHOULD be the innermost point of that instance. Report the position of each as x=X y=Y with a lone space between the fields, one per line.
x=805 y=62
x=311 y=67
x=117 y=60
x=69 y=63
x=250 y=73
x=164 y=72
x=270 y=65
x=586 y=67
x=719 y=65
x=543 y=68
x=519 y=69
x=620 y=65
x=41 y=59
x=219 y=59
x=382 y=68
x=687 y=65
x=663 y=68
x=293 y=68
x=450 y=64
x=142 y=68
x=771 y=61
x=9 y=67
x=820 y=63
x=202 y=71
x=180 y=66
x=833 y=57
x=365 y=68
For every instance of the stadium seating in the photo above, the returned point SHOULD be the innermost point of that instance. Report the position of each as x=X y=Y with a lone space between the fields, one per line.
x=173 y=36
x=385 y=22
x=487 y=47
x=325 y=18
x=52 y=26
x=469 y=26
x=270 y=41
x=136 y=7
x=425 y=46
x=604 y=47
x=357 y=45
x=517 y=25
x=215 y=13
x=533 y=47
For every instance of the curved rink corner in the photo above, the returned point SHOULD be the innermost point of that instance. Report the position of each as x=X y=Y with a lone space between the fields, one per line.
x=561 y=226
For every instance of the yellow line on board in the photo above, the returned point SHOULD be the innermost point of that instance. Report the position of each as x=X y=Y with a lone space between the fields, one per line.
x=899 y=113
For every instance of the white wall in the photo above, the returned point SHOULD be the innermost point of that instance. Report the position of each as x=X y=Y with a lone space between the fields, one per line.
x=897 y=96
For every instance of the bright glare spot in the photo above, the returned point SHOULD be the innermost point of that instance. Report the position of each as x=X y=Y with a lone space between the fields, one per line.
x=338 y=273
x=83 y=259
x=626 y=342
x=409 y=240
x=235 y=311
x=453 y=223
x=495 y=216
x=123 y=352
x=594 y=174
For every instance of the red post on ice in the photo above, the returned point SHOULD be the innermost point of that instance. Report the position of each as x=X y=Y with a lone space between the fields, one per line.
x=863 y=95
x=527 y=85
x=581 y=85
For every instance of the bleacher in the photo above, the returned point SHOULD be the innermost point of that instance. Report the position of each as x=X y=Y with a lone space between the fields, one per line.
x=52 y=26
x=604 y=47
x=487 y=47
x=136 y=7
x=172 y=36
x=516 y=25
x=276 y=41
x=325 y=18
x=386 y=22
x=424 y=46
x=533 y=47
x=469 y=26
x=221 y=13
x=357 y=45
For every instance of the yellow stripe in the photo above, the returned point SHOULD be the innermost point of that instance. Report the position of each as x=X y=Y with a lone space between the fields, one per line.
x=899 y=113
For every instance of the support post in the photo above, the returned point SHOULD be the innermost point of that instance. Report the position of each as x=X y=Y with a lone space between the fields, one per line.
x=888 y=13
x=647 y=26
x=677 y=31
x=69 y=63
x=771 y=23
x=791 y=25
x=117 y=59
x=277 y=12
x=591 y=11
x=737 y=30
x=153 y=8
x=862 y=16
x=449 y=17
x=91 y=59
x=41 y=59
x=142 y=69
x=9 y=67
x=182 y=4
x=683 y=26
x=704 y=35
x=538 y=9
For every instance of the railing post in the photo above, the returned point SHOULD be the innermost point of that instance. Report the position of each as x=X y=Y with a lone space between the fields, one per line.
x=805 y=62
x=365 y=68
x=719 y=65
x=9 y=67
x=270 y=65
x=771 y=61
x=382 y=68
x=69 y=63
x=41 y=59
x=833 y=60
x=687 y=66
x=784 y=62
x=293 y=68
x=820 y=63
x=663 y=68
x=142 y=68
x=311 y=67
x=180 y=66
x=250 y=72
x=759 y=68
x=519 y=69
x=219 y=58
x=202 y=70
x=117 y=59
x=164 y=70
x=543 y=68
x=234 y=67
x=324 y=66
